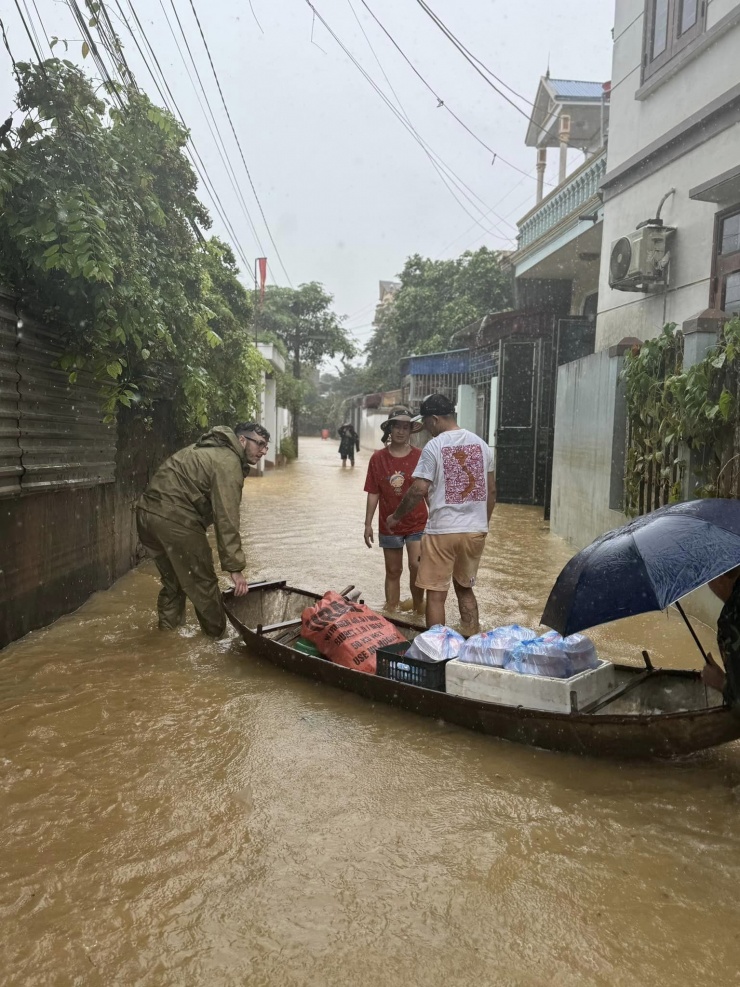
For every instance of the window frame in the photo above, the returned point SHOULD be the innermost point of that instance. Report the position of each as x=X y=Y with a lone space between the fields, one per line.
x=722 y=264
x=675 y=43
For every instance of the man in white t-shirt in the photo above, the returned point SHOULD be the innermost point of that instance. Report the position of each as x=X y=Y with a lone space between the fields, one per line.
x=455 y=474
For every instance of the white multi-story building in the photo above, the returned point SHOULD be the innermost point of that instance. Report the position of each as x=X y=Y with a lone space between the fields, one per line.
x=671 y=231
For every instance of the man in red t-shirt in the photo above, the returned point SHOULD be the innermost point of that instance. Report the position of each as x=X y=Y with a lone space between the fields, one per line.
x=389 y=476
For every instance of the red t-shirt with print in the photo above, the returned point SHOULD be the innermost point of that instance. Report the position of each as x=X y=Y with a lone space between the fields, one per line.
x=391 y=478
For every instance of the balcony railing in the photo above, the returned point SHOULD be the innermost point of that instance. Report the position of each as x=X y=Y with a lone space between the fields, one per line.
x=563 y=201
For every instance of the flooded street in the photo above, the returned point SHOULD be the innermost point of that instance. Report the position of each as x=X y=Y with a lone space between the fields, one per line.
x=175 y=813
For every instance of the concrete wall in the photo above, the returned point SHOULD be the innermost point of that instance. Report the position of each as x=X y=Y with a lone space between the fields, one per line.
x=582 y=458
x=626 y=313
x=639 y=119
x=371 y=437
x=283 y=423
x=583 y=469
x=61 y=546
x=275 y=419
x=647 y=142
x=636 y=122
x=466 y=407
x=269 y=419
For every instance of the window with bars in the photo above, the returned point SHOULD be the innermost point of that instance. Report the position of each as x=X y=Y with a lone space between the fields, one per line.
x=670 y=25
x=726 y=262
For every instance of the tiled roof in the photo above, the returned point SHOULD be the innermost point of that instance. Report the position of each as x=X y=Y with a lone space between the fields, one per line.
x=573 y=89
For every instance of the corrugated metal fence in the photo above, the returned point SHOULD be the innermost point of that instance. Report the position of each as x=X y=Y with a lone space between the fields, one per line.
x=52 y=434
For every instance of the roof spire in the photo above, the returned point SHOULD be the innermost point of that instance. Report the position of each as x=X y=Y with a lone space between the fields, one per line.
x=547 y=74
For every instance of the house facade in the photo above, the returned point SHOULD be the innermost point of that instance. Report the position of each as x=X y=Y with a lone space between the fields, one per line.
x=670 y=246
x=556 y=264
x=514 y=356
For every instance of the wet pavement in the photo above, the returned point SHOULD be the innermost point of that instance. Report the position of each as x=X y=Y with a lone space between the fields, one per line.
x=176 y=813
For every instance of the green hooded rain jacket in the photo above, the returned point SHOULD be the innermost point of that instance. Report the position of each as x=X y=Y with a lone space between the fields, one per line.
x=202 y=485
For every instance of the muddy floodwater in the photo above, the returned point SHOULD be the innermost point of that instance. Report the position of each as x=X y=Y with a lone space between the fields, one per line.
x=176 y=813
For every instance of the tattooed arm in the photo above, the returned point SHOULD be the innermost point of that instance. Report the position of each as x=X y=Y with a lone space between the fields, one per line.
x=416 y=493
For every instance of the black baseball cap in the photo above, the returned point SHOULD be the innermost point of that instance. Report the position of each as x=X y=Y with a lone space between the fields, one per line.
x=436 y=404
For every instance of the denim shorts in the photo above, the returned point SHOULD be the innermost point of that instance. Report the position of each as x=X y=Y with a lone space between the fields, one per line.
x=398 y=541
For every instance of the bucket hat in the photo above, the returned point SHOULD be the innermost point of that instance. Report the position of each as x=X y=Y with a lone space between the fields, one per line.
x=400 y=413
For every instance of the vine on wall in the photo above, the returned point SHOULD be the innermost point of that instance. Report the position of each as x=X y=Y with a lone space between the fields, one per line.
x=672 y=410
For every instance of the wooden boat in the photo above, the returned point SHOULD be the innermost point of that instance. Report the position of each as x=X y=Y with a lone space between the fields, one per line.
x=652 y=712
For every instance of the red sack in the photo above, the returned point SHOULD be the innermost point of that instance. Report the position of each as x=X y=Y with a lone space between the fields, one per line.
x=348 y=633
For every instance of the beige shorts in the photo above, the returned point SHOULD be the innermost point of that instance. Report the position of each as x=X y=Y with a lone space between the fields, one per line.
x=444 y=557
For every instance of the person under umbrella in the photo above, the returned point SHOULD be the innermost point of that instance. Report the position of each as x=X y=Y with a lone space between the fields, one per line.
x=651 y=564
x=727 y=588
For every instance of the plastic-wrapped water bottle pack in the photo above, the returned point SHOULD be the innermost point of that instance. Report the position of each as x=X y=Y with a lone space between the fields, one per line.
x=520 y=649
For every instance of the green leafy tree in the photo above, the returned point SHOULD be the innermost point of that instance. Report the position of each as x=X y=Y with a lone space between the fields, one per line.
x=224 y=381
x=324 y=402
x=303 y=321
x=436 y=298
x=99 y=234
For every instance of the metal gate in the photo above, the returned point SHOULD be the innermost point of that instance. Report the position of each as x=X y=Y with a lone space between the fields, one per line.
x=518 y=420
x=526 y=408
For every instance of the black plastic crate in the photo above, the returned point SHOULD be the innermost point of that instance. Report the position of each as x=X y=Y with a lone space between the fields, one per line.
x=392 y=662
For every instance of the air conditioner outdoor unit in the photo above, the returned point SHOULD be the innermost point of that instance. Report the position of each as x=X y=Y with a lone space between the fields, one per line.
x=640 y=259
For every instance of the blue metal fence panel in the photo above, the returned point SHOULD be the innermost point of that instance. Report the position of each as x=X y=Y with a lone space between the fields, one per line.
x=451 y=362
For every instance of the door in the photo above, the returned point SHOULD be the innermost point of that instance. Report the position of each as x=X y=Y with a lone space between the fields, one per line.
x=516 y=435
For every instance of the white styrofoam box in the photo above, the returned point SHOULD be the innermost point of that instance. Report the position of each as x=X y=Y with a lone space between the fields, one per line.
x=486 y=683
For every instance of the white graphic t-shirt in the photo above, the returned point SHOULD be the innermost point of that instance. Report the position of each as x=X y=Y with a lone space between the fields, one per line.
x=457 y=463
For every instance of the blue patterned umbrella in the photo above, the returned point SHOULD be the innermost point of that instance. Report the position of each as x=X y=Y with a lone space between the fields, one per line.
x=646 y=565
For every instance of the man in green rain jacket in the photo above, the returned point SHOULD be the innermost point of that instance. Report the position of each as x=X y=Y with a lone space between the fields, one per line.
x=198 y=486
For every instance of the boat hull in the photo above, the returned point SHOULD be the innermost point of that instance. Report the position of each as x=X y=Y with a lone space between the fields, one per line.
x=663 y=734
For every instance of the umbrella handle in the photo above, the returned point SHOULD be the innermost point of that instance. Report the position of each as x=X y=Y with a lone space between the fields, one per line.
x=692 y=631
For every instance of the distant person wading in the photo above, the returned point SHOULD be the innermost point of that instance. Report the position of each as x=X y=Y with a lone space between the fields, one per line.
x=349 y=441
x=199 y=486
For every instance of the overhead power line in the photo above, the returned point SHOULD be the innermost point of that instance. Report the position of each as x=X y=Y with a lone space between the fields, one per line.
x=238 y=144
x=43 y=29
x=408 y=119
x=426 y=150
x=97 y=57
x=192 y=152
x=10 y=53
x=461 y=185
x=198 y=164
x=441 y=103
x=38 y=46
x=211 y=123
x=480 y=67
x=29 y=32
x=115 y=47
x=476 y=64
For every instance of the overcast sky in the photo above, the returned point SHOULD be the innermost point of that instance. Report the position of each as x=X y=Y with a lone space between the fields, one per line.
x=346 y=189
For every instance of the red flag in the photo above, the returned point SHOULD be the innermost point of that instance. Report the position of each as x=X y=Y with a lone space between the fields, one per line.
x=262 y=262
